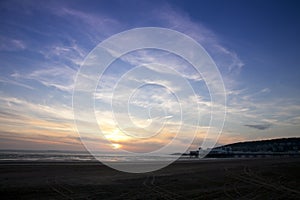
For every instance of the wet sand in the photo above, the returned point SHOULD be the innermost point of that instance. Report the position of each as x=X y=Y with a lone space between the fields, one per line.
x=256 y=178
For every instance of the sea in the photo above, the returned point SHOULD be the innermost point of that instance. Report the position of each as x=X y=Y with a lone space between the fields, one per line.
x=75 y=156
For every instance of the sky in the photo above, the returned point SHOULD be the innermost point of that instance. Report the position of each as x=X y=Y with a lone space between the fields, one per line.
x=254 y=44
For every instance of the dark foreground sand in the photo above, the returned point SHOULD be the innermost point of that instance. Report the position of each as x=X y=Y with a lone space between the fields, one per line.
x=268 y=178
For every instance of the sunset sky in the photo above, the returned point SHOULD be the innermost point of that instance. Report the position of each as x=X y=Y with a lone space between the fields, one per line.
x=255 y=45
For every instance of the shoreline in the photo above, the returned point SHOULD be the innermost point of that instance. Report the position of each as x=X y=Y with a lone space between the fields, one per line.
x=185 y=160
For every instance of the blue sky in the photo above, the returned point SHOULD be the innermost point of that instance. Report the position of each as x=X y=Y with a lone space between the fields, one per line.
x=255 y=45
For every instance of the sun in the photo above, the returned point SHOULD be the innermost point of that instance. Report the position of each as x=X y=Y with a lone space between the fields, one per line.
x=116 y=136
x=116 y=146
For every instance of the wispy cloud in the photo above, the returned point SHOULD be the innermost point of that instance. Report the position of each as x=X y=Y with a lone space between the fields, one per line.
x=24 y=108
x=61 y=78
x=163 y=62
x=11 y=44
x=94 y=26
x=9 y=81
x=178 y=20
x=259 y=126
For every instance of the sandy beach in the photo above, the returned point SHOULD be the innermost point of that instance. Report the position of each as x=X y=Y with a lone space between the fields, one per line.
x=263 y=178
